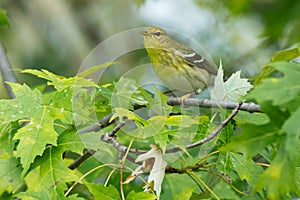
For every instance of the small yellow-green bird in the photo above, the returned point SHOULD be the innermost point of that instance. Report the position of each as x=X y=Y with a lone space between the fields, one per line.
x=178 y=66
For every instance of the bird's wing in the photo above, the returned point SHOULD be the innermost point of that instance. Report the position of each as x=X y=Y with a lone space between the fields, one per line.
x=194 y=59
x=199 y=61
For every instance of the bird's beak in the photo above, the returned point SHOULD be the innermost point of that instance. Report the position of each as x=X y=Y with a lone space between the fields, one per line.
x=145 y=33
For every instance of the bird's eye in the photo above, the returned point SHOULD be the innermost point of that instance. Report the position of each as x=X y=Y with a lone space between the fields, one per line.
x=157 y=33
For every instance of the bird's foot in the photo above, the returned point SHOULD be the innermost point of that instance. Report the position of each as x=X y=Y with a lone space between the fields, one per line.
x=182 y=98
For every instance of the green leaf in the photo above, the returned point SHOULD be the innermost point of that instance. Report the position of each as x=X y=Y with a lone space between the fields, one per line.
x=7 y=132
x=224 y=191
x=292 y=128
x=279 y=90
x=175 y=184
x=237 y=7
x=93 y=69
x=52 y=169
x=125 y=93
x=285 y=55
x=83 y=107
x=159 y=104
x=100 y=192
x=179 y=130
x=184 y=194
x=244 y=117
x=162 y=140
x=35 y=136
x=10 y=174
x=22 y=106
x=63 y=99
x=59 y=193
x=280 y=177
x=247 y=169
x=40 y=195
x=60 y=83
x=3 y=18
x=132 y=195
x=154 y=126
x=39 y=131
x=69 y=140
x=253 y=139
x=263 y=74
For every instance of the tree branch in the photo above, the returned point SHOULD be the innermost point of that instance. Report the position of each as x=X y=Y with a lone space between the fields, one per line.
x=170 y=169
x=6 y=71
x=173 y=101
x=206 y=103
x=122 y=148
x=90 y=152
x=102 y=123
x=196 y=168
x=81 y=159
x=110 y=137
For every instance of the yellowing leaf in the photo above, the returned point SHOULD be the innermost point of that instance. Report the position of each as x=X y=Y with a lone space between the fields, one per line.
x=287 y=54
x=93 y=69
x=157 y=172
x=231 y=90
x=182 y=120
x=218 y=92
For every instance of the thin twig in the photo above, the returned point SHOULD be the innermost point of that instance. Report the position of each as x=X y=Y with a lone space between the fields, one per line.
x=206 y=103
x=121 y=185
x=104 y=122
x=171 y=170
x=116 y=129
x=119 y=146
x=213 y=134
x=81 y=159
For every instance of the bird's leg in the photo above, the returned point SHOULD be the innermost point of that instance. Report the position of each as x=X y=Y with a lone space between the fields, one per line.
x=167 y=92
x=182 y=98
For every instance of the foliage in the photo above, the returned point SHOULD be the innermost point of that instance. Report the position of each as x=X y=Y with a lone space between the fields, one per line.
x=256 y=156
x=3 y=18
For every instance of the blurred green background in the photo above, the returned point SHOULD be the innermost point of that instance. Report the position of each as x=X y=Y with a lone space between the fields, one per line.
x=58 y=34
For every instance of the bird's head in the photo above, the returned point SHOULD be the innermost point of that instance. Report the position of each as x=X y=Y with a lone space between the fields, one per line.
x=155 y=37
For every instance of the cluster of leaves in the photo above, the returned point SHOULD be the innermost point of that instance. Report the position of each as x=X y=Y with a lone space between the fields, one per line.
x=277 y=139
x=39 y=139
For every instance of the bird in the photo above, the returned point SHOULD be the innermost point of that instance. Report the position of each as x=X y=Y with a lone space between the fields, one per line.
x=177 y=65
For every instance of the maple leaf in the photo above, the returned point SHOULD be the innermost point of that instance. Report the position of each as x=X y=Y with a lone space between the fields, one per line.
x=233 y=89
x=154 y=161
